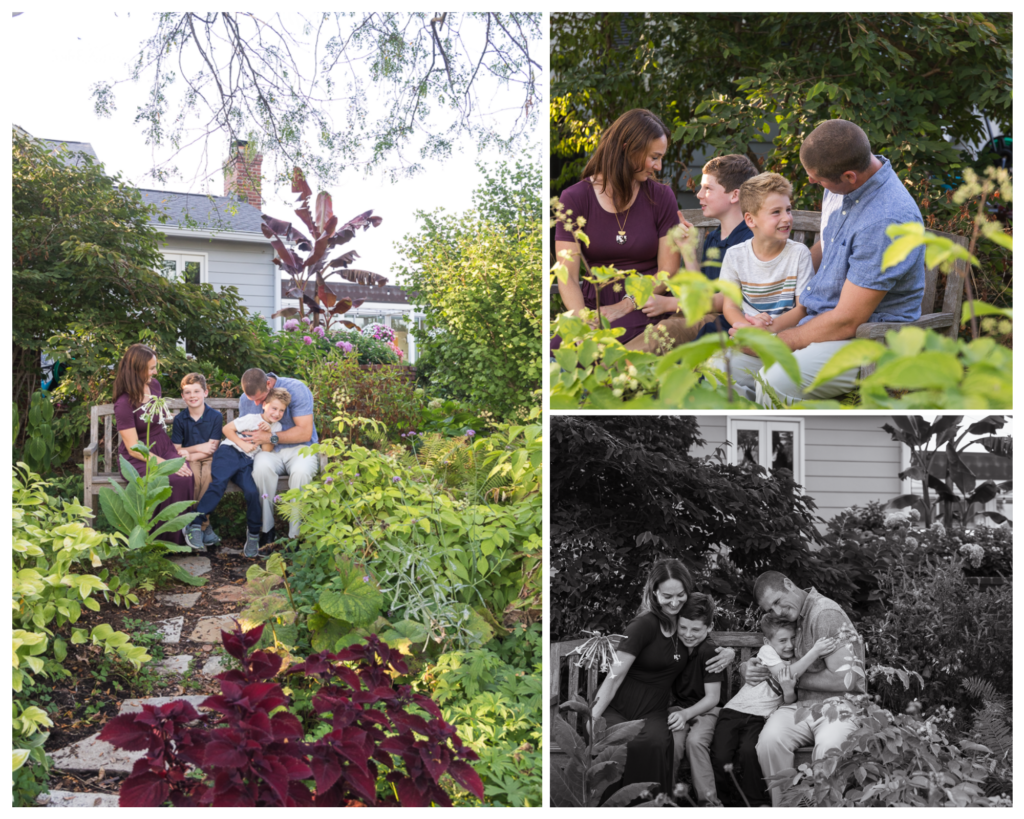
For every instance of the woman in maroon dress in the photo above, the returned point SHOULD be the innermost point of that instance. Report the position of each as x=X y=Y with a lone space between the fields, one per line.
x=628 y=215
x=134 y=385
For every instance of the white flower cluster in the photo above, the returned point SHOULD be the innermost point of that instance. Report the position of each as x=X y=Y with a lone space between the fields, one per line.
x=974 y=553
x=898 y=517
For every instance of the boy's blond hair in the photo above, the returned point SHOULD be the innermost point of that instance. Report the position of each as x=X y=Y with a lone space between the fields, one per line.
x=754 y=191
x=195 y=378
x=279 y=394
x=730 y=170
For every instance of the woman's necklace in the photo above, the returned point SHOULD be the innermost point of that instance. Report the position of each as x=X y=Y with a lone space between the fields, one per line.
x=675 y=644
x=621 y=238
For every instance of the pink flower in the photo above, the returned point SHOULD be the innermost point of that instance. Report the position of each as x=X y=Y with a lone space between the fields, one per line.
x=307 y=320
x=291 y=324
x=307 y=340
x=319 y=331
x=344 y=346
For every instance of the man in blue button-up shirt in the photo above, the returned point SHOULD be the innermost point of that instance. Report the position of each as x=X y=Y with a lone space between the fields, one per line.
x=297 y=431
x=864 y=196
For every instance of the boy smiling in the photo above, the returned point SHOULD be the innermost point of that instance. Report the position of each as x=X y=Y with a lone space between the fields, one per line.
x=770 y=269
x=196 y=435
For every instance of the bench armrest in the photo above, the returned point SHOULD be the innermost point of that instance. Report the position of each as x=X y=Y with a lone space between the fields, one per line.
x=877 y=329
x=92 y=449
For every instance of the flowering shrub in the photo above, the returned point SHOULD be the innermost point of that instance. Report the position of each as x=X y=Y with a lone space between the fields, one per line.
x=248 y=750
x=379 y=332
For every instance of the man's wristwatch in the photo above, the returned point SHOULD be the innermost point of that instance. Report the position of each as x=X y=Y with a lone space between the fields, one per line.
x=273 y=438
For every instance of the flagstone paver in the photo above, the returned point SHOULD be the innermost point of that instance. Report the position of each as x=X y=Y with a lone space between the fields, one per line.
x=69 y=799
x=171 y=629
x=228 y=594
x=182 y=601
x=195 y=565
x=208 y=629
x=173 y=665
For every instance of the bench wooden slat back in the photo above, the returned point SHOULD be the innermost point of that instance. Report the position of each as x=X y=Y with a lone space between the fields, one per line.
x=807 y=224
x=745 y=643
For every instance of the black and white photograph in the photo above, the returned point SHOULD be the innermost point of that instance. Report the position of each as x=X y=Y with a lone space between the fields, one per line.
x=781 y=610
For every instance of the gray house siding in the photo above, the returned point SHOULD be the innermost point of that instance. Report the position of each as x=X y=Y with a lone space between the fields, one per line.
x=243 y=265
x=848 y=459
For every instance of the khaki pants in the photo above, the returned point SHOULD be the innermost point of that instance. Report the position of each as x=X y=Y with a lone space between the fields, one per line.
x=201 y=476
x=696 y=741
x=266 y=469
x=782 y=735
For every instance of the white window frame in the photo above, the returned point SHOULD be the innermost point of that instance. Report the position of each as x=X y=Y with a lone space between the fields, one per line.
x=181 y=257
x=765 y=426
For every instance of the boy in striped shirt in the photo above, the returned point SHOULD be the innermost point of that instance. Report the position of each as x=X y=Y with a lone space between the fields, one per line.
x=770 y=270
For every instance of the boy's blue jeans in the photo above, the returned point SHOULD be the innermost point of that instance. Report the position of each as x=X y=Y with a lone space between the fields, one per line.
x=231 y=465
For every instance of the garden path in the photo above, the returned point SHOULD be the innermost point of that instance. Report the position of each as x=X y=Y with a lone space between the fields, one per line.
x=88 y=772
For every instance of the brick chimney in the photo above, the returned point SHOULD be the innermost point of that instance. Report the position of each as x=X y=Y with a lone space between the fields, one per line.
x=242 y=176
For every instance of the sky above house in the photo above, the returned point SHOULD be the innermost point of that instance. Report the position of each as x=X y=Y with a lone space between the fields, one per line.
x=68 y=52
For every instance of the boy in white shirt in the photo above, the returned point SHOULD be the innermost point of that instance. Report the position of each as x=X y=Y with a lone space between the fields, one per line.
x=770 y=270
x=741 y=719
x=233 y=461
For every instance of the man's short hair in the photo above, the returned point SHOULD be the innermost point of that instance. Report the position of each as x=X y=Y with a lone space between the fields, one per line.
x=768 y=581
x=731 y=170
x=771 y=625
x=834 y=147
x=699 y=607
x=278 y=394
x=755 y=190
x=253 y=381
x=195 y=378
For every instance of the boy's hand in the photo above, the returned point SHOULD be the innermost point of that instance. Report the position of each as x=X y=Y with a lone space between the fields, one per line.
x=786 y=680
x=684 y=226
x=677 y=720
x=743 y=322
x=760 y=320
x=825 y=646
x=658 y=304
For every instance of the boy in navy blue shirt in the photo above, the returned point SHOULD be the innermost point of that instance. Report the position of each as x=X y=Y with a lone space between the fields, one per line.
x=196 y=434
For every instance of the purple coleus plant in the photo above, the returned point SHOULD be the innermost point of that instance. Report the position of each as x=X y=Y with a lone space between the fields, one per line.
x=250 y=748
x=307 y=258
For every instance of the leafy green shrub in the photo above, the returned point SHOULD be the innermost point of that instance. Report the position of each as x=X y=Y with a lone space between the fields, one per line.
x=342 y=387
x=934 y=622
x=290 y=353
x=474 y=278
x=52 y=545
x=31 y=764
x=497 y=709
x=891 y=760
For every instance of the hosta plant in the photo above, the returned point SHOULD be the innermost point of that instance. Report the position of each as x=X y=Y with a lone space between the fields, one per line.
x=386 y=745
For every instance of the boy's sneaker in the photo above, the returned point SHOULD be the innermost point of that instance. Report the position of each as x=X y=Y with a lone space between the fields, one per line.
x=210 y=537
x=194 y=537
x=252 y=545
x=268 y=537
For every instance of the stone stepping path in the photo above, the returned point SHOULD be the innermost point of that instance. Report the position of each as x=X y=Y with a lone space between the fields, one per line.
x=91 y=754
x=68 y=799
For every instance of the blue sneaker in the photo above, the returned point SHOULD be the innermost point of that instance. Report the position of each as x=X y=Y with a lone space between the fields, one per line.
x=194 y=537
x=210 y=537
x=252 y=545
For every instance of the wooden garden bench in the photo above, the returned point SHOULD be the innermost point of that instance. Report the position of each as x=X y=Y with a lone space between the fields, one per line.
x=944 y=319
x=99 y=471
x=745 y=643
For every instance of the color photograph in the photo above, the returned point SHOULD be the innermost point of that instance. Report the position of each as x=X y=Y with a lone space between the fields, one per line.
x=780 y=210
x=277 y=432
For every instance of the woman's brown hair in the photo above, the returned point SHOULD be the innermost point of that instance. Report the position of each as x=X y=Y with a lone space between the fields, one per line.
x=621 y=151
x=133 y=373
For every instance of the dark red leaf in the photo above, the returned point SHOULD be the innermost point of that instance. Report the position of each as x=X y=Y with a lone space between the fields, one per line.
x=462 y=773
x=299 y=184
x=344 y=260
x=324 y=211
x=427 y=705
x=410 y=796
x=147 y=790
x=362 y=783
x=408 y=722
x=286 y=726
x=224 y=755
x=125 y=733
x=342 y=307
x=288 y=312
x=436 y=760
x=264 y=664
x=326 y=770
